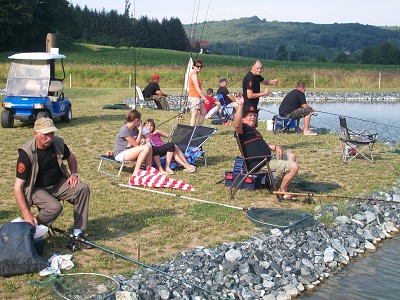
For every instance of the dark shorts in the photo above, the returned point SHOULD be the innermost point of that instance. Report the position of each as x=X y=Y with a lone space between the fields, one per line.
x=162 y=150
x=299 y=113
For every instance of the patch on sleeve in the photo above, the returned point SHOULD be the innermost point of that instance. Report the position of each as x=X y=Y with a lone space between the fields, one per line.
x=250 y=83
x=21 y=167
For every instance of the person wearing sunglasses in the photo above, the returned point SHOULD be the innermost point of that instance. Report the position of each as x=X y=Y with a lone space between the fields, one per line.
x=195 y=94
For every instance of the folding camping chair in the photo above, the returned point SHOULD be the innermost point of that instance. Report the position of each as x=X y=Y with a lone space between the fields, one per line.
x=350 y=140
x=110 y=159
x=186 y=136
x=245 y=172
x=226 y=111
x=150 y=103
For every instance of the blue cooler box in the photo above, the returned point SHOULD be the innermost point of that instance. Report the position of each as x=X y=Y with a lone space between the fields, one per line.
x=251 y=183
x=283 y=125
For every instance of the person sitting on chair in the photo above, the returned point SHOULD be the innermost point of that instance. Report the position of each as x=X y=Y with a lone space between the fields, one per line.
x=294 y=106
x=253 y=144
x=228 y=98
x=210 y=104
x=43 y=180
x=129 y=143
x=160 y=148
x=152 y=91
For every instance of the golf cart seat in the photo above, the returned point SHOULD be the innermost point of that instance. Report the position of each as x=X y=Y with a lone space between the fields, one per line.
x=56 y=86
x=56 y=89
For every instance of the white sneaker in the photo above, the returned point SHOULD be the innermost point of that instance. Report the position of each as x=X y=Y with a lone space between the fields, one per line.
x=309 y=133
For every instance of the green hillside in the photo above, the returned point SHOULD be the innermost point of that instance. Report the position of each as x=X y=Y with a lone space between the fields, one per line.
x=253 y=37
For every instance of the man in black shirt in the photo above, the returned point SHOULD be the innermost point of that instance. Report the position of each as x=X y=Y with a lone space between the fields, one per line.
x=253 y=144
x=251 y=85
x=43 y=180
x=294 y=105
x=152 y=91
x=223 y=90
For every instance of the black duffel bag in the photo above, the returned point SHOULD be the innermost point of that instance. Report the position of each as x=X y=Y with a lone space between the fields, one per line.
x=18 y=254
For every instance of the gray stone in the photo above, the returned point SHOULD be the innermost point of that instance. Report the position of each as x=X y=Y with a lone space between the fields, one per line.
x=370 y=216
x=233 y=255
x=124 y=295
x=369 y=246
x=329 y=255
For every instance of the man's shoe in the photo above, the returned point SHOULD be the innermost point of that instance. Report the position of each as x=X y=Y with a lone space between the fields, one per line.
x=298 y=130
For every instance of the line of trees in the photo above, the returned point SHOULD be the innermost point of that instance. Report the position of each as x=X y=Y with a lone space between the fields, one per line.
x=25 y=23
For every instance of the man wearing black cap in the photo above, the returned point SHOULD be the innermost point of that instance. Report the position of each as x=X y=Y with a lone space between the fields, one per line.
x=229 y=99
x=253 y=144
x=153 y=92
x=43 y=180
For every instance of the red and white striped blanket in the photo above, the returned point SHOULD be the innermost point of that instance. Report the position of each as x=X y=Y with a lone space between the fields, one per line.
x=153 y=178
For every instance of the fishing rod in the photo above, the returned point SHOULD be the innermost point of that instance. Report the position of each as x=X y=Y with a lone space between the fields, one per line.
x=252 y=213
x=134 y=50
x=310 y=195
x=396 y=151
x=80 y=239
x=359 y=119
x=178 y=196
x=194 y=36
x=263 y=109
x=181 y=113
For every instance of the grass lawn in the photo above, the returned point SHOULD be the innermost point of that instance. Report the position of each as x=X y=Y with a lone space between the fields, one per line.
x=125 y=219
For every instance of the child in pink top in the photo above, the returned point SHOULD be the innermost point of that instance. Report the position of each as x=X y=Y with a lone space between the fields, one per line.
x=155 y=139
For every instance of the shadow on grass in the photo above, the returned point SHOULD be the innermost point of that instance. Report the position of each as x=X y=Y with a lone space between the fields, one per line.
x=111 y=227
x=226 y=132
x=92 y=119
x=213 y=160
x=304 y=185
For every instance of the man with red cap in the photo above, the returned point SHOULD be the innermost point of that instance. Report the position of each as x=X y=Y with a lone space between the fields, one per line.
x=152 y=92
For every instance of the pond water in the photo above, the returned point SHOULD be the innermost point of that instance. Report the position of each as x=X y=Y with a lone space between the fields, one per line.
x=375 y=275
x=376 y=117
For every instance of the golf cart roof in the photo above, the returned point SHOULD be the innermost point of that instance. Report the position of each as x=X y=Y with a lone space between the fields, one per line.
x=36 y=56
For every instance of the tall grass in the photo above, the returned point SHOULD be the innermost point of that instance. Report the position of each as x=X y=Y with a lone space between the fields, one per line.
x=107 y=67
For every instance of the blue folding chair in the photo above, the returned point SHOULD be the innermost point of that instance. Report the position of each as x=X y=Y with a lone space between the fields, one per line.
x=226 y=111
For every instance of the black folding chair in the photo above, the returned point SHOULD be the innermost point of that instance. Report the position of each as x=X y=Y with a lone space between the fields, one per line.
x=186 y=136
x=357 y=142
x=246 y=172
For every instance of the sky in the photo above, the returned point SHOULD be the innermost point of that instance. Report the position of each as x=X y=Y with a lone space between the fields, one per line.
x=367 y=12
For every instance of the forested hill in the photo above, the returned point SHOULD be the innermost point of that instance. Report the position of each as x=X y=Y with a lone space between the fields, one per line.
x=304 y=41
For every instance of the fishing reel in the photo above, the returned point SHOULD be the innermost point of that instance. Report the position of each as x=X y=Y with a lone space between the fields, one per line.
x=308 y=200
x=73 y=244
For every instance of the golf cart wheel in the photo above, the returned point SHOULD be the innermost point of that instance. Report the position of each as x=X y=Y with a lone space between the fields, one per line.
x=7 y=119
x=68 y=115
x=42 y=114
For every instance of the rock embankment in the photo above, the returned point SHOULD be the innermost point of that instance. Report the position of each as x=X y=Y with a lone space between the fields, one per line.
x=275 y=265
